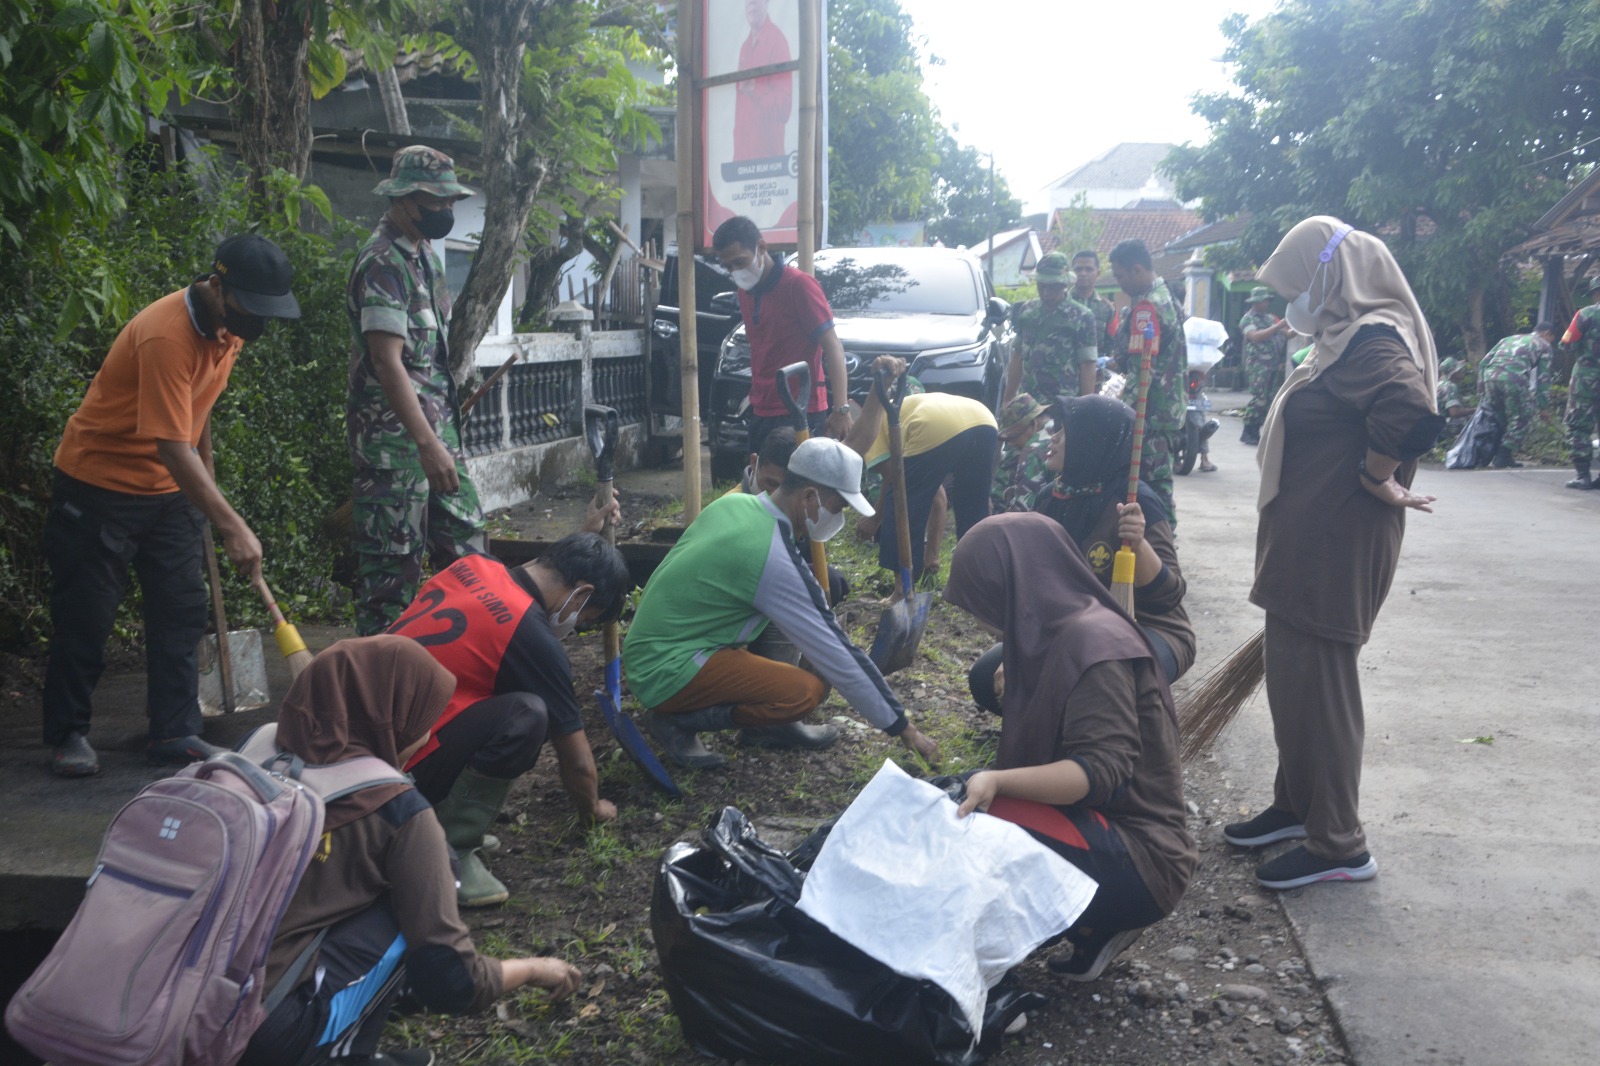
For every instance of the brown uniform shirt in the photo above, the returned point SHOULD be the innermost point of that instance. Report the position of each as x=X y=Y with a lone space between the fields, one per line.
x=1158 y=605
x=1117 y=727
x=368 y=858
x=1326 y=550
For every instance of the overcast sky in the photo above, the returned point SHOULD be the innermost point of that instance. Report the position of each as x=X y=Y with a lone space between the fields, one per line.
x=1048 y=85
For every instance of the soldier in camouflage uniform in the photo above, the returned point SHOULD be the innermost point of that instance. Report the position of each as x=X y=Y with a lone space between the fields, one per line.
x=1167 y=399
x=1448 y=392
x=412 y=491
x=1264 y=335
x=1021 y=472
x=1514 y=379
x=1582 y=338
x=1056 y=350
x=1085 y=272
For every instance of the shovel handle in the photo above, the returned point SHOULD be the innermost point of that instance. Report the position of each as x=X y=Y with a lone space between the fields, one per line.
x=224 y=653
x=891 y=402
x=786 y=391
x=600 y=427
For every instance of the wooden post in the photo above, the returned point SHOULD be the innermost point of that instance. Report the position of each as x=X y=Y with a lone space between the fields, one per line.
x=806 y=215
x=688 y=340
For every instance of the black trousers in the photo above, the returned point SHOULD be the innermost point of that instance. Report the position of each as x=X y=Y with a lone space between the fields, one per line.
x=498 y=737
x=969 y=457
x=92 y=536
x=339 y=1008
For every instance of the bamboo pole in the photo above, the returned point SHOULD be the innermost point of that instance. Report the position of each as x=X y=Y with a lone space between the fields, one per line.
x=806 y=214
x=688 y=239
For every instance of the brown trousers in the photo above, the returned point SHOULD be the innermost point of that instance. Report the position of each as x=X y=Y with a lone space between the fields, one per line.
x=763 y=691
x=1314 y=691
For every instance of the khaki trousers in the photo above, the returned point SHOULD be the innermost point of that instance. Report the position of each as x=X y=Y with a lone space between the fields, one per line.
x=1314 y=691
x=764 y=692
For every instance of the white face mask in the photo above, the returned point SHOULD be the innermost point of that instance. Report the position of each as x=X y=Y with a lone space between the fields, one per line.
x=563 y=627
x=823 y=528
x=1301 y=318
x=1300 y=314
x=748 y=277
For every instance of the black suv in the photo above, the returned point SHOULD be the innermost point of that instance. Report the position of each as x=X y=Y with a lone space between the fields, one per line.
x=933 y=307
x=712 y=326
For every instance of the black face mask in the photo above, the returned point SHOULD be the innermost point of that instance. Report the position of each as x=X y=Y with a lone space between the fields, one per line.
x=435 y=224
x=245 y=327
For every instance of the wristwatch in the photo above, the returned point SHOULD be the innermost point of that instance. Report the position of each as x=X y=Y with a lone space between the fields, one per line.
x=1361 y=468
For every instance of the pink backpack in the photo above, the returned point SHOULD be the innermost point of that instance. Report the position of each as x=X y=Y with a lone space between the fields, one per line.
x=164 y=961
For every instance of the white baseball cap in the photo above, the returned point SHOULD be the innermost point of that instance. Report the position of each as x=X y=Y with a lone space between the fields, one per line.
x=830 y=464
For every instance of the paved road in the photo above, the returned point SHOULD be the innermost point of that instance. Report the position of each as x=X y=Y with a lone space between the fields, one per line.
x=1479 y=942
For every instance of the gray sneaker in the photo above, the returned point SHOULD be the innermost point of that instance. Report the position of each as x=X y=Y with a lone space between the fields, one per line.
x=75 y=758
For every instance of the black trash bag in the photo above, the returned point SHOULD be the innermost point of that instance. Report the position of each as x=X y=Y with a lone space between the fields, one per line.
x=1479 y=440
x=753 y=978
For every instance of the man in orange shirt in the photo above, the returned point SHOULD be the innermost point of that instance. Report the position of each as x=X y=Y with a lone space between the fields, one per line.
x=133 y=484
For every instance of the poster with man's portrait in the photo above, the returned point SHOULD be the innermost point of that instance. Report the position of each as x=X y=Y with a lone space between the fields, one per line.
x=750 y=128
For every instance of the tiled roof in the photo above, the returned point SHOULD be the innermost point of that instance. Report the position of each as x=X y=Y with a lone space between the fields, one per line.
x=1126 y=166
x=1227 y=229
x=1155 y=228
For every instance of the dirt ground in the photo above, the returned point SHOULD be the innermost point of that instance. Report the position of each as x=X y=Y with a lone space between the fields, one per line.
x=1220 y=982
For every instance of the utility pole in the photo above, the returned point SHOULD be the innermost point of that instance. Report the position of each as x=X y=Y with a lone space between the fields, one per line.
x=688 y=307
x=988 y=260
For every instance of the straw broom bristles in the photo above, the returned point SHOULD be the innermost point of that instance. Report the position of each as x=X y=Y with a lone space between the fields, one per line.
x=1205 y=710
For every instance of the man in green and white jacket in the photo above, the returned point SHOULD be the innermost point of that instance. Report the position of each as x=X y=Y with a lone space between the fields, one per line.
x=737 y=569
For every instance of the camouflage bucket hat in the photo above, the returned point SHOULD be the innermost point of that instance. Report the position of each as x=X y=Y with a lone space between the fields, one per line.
x=1449 y=366
x=422 y=169
x=1054 y=269
x=1259 y=293
x=1022 y=410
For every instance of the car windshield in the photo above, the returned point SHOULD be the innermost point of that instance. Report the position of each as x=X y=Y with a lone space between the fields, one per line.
x=938 y=286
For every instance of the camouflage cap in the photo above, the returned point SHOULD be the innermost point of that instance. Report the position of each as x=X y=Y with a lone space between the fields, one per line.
x=1021 y=411
x=1449 y=366
x=1053 y=269
x=1259 y=293
x=419 y=168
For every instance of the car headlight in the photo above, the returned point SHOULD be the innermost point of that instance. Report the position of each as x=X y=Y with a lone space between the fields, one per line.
x=734 y=357
x=952 y=360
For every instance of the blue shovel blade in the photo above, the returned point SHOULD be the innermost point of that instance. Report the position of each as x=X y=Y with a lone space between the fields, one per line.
x=634 y=744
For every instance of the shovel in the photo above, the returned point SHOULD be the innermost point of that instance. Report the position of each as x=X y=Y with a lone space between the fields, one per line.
x=600 y=427
x=802 y=432
x=233 y=672
x=900 y=628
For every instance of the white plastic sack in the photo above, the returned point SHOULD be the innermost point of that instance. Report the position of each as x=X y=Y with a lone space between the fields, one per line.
x=956 y=901
x=1204 y=339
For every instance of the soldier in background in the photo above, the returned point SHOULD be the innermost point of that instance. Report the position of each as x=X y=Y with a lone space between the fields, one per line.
x=1167 y=400
x=403 y=419
x=1451 y=403
x=1265 y=336
x=1085 y=272
x=1582 y=338
x=1020 y=473
x=1514 y=380
x=1057 y=347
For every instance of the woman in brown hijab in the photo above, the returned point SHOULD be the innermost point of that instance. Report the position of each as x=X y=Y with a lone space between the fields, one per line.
x=379 y=887
x=1337 y=457
x=1088 y=759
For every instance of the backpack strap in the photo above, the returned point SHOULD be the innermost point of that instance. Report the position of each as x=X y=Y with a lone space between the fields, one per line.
x=331 y=782
x=291 y=976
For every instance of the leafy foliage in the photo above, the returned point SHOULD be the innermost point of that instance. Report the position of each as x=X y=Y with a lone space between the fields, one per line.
x=1450 y=127
x=882 y=149
x=968 y=209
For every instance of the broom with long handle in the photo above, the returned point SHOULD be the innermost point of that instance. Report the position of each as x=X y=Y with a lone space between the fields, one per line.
x=288 y=637
x=1122 y=565
x=1205 y=711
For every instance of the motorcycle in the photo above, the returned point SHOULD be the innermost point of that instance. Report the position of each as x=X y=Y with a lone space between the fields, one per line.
x=1198 y=426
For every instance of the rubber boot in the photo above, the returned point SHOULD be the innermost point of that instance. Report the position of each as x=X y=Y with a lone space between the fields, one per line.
x=790 y=735
x=1582 y=480
x=676 y=735
x=1251 y=434
x=466 y=813
x=1503 y=459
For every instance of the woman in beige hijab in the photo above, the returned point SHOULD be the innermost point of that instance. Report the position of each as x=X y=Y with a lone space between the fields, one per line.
x=1338 y=453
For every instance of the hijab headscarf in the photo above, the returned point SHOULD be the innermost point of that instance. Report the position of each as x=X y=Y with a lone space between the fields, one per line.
x=1360 y=285
x=366 y=696
x=1022 y=574
x=1097 y=449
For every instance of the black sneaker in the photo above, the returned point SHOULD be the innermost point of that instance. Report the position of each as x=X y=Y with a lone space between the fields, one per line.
x=1086 y=963
x=1297 y=867
x=75 y=758
x=181 y=750
x=1268 y=827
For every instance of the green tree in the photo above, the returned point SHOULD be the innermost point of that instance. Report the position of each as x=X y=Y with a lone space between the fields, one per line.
x=882 y=147
x=1077 y=226
x=1448 y=127
x=968 y=209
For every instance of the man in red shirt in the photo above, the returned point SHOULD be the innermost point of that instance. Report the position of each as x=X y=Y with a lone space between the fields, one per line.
x=134 y=485
x=761 y=109
x=786 y=320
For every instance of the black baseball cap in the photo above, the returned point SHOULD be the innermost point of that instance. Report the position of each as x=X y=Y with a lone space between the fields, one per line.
x=257 y=274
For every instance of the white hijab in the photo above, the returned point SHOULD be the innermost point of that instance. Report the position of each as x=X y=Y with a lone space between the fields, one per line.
x=1361 y=285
